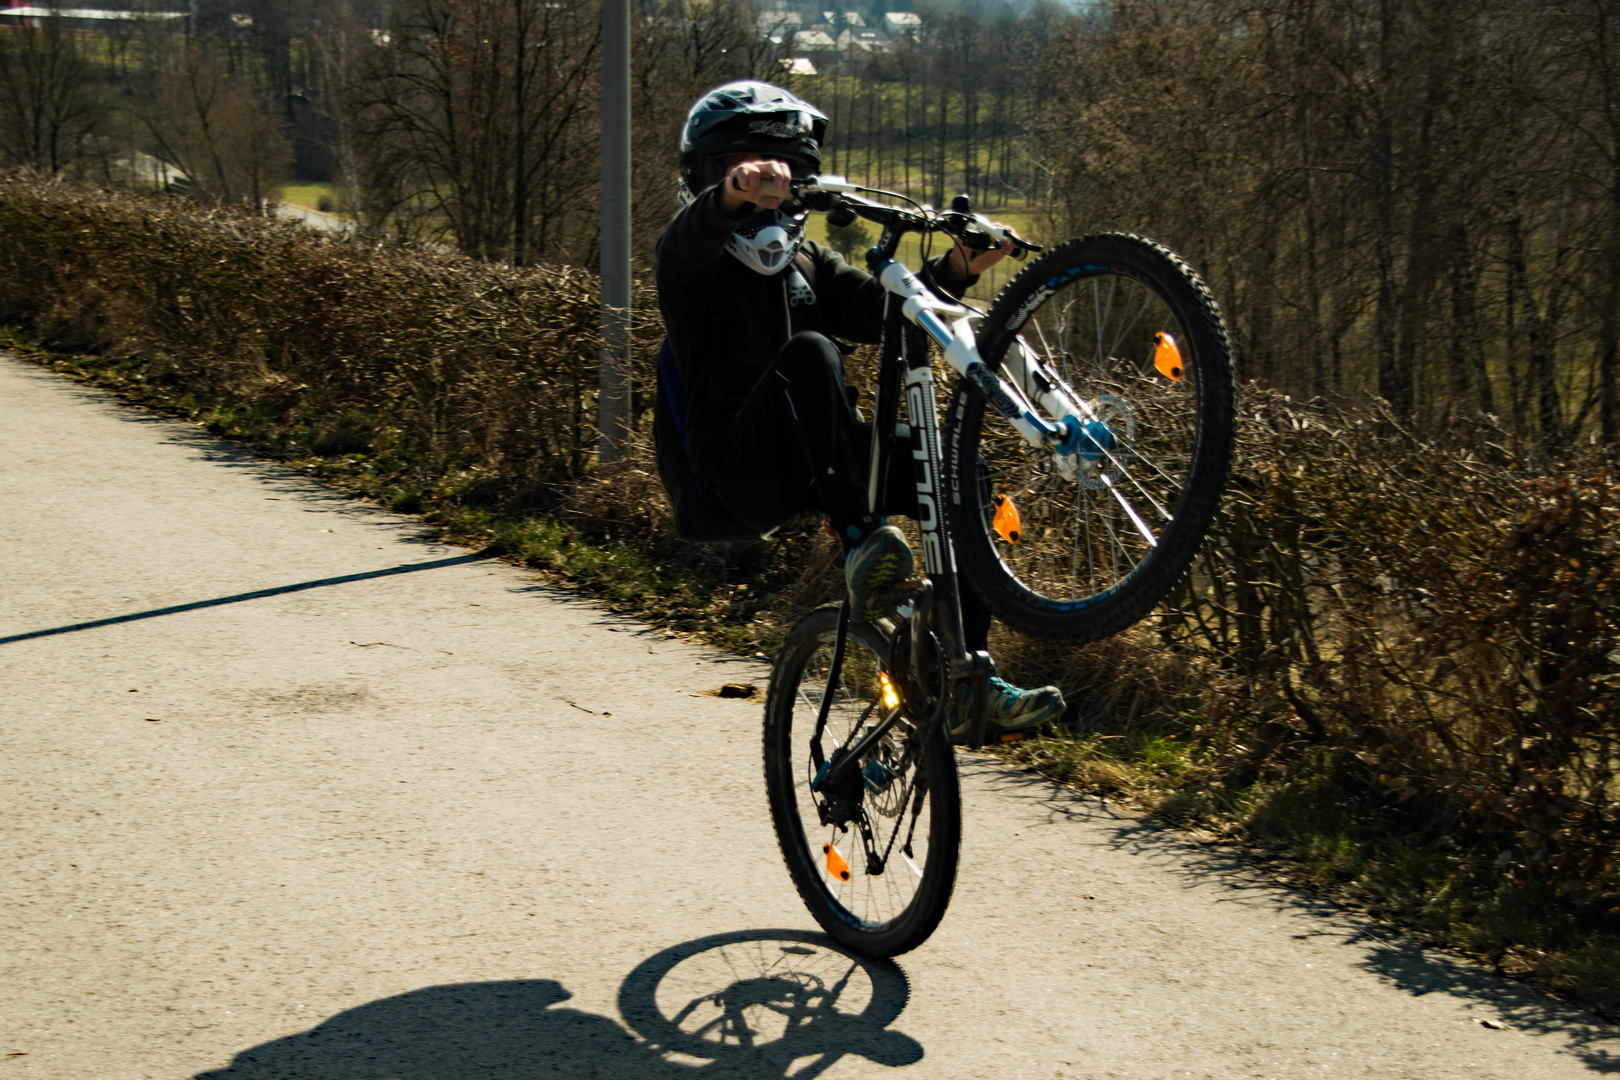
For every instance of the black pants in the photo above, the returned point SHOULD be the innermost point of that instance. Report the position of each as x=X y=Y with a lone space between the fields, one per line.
x=797 y=444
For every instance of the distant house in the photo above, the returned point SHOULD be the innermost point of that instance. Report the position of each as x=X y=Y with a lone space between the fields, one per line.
x=797 y=65
x=814 y=41
x=860 y=40
x=901 y=23
x=852 y=18
x=776 y=25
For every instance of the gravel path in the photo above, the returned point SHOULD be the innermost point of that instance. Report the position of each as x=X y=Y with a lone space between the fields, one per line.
x=287 y=790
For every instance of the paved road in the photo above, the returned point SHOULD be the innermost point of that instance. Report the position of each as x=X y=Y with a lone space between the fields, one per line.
x=315 y=219
x=288 y=791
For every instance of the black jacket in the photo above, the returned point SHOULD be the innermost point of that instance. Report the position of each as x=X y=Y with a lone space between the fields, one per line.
x=726 y=321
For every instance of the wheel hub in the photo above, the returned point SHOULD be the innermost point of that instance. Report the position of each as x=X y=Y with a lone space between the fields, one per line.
x=1095 y=444
x=1096 y=439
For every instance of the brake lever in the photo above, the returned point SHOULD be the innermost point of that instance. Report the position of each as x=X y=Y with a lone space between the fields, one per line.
x=1021 y=247
x=819 y=193
x=979 y=233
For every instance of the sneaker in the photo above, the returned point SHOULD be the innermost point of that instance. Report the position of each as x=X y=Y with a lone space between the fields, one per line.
x=1011 y=710
x=882 y=559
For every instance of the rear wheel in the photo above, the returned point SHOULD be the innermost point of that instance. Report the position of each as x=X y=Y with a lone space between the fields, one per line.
x=1133 y=333
x=876 y=862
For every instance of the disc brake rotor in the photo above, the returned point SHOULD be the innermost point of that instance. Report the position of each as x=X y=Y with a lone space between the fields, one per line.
x=1110 y=435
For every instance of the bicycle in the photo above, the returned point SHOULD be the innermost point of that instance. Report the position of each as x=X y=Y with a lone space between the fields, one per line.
x=1080 y=465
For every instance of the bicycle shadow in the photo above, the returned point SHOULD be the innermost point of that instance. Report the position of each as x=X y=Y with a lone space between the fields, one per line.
x=746 y=1004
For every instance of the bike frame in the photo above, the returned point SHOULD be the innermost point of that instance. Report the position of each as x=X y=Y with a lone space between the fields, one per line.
x=913 y=315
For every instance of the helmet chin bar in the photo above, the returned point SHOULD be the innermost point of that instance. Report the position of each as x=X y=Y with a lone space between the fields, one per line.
x=767 y=252
x=767 y=241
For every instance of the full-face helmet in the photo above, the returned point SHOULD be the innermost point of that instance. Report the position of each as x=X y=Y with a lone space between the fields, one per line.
x=753 y=117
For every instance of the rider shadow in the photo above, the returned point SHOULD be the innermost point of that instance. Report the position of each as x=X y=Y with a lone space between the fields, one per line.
x=748 y=1004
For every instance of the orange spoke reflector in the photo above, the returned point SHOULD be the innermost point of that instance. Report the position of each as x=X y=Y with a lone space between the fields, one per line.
x=1166 y=356
x=836 y=866
x=1006 y=521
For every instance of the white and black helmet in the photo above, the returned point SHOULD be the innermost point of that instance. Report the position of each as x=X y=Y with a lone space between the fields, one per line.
x=742 y=117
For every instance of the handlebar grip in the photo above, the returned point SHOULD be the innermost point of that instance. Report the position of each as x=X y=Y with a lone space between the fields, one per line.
x=831 y=182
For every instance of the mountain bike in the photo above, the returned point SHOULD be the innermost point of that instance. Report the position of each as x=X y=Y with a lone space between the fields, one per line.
x=1086 y=441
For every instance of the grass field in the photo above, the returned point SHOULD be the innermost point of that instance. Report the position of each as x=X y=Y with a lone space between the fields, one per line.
x=309 y=196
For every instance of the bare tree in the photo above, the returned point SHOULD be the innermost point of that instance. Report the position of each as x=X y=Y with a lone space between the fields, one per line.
x=480 y=112
x=217 y=130
x=52 y=107
x=339 y=52
x=1586 y=103
x=1416 y=199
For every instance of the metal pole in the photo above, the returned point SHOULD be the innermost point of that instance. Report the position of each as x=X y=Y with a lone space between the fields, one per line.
x=614 y=387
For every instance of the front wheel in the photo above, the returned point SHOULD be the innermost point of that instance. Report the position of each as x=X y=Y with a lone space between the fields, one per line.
x=876 y=862
x=1086 y=545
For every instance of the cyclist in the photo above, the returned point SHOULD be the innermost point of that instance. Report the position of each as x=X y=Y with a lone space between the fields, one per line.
x=751 y=307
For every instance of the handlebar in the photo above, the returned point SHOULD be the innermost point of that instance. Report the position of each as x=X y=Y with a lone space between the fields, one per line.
x=836 y=196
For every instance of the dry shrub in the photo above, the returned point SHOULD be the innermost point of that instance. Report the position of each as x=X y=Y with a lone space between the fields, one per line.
x=454 y=364
x=1428 y=629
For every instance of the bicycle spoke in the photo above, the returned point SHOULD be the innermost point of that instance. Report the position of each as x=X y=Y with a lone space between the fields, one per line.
x=1153 y=465
x=1140 y=487
x=1085 y=533
x=1136 y=519
x=1125 y=452
x=1102 y=321
x=1046 y=353
x=1124 y=331
x=1064 y=326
